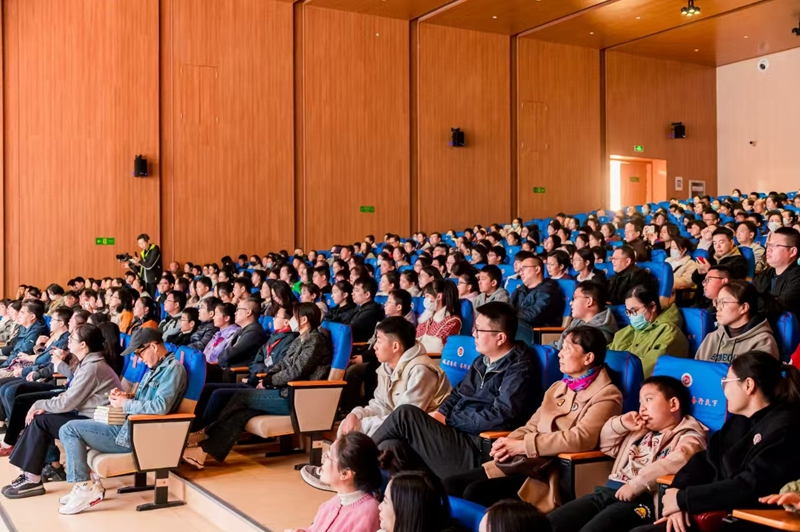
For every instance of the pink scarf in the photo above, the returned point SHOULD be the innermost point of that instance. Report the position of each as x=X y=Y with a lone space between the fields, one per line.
x=581 y=383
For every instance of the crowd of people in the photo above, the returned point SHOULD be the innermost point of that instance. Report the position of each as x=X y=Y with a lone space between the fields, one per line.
x=400 y=417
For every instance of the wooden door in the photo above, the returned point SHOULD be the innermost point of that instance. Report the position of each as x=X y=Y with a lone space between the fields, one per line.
x=633 y=182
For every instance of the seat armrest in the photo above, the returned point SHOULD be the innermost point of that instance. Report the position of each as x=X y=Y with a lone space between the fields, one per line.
x=549 y=329
x=59 y=376
x=487 y=439
x=495 y=434
x=666 y=480
x=317 y=384
x=360 y=344
x=584 y=456
x=434 y=355
x=166 y=417
x=261 y=375
x=239 y=369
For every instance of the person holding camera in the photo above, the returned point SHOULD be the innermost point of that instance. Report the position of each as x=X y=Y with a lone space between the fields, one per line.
x=148 y=263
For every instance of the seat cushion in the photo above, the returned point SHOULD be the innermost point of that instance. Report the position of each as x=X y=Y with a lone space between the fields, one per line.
x=269 y=426
x=109 y=465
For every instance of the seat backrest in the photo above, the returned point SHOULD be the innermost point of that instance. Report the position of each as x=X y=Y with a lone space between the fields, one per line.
x=125 y=340
x=606 y=267
x=658 y=255
x=267 y=322
x=567 y=290
x=511 y=252
x=697 y=323
x=195 y=364
x=342 y=340
x=47 y=320
x=381 y=300
x=467 y=317
x=418 y=304
x=619 y=314
x=750 y=257
x=787 y=335
x=547 y=364
x=133 y=369
x=700 y=253
x=457 y=357
x=663 y=274
x=709 y=405
x=468 y=514
x=402 y=269
x=512 y=284
x=329 y=300
x=507 y=269
x=625 y=370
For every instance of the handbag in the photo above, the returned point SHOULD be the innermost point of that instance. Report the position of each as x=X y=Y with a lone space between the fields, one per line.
x=535 y=468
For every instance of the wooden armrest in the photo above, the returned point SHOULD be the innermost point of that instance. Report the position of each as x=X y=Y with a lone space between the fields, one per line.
x=666 y=480
x=167 y=417
x=495 y=434
x=586 y=455
x=59 y=376
x=434 y=355
x=549 y=329
x=778 y=518
x=314 y=384
x=360 y=344
x=261 y=375
x=240 y=369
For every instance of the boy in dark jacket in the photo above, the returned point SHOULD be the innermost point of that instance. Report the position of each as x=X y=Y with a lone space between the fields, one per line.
x=500 y=392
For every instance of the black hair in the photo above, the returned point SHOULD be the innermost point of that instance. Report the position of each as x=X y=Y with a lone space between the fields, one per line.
x=347 y=289
x=420 y=502
x=502 y=317
x=179 y=298
x=743 y=292
x=309 y=311
x=358 y=453
x=500 y=251
x=211 y=303
x=591 y=340
x=471 y=281
x=768 y=374
x=449 y=295
x=562 y=258
x=399 y=329
x=724 y=231
x=91 y=335
x=587 y=255
x=369 y=285
x=205 y=281
x=627 y=252
x=152 y=311
x=192 y=315
x=245 y=283
x=228 y=310
x=646 y=294
x=35 y=307
x=393 y=279
x=494 y=273
x=596 y=291
x=62 y=313
x=516 y=516
x=792 y=236
x=671 y=387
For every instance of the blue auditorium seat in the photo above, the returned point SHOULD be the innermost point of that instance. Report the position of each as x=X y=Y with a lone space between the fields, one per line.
x=697 y=323
x=457 y=357
x=619 y=314
x=342 y=340
x=568 y=290
x=267 y=323
x=663 y=274
x=547 y=364
x=512 y=284
x=507 y=269
x=750 y=257
x=787 y=334
x=467 y=317
x=468 y=514
x=625 y=370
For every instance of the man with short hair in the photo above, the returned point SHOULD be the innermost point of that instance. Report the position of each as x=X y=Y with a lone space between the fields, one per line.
x=538 y=301
x=440 y=250
x=174 y=268
x=322 y=278
x=399 y=303
x=589 y=308
x=633 y=238
x=189 y=322
x=490 y=280
x=165 y=285
x=496 y=255
x=500 y=392
x=717 y=277
x=745 y=234
x=72 y=300
x=246 y=342
x=206 y=329
x=202 y=287
x=710 y=217
x=726 y=254
x=626 y=275
x=241 y=289
x=32 y=326
x=174 y=304
x=779 y=285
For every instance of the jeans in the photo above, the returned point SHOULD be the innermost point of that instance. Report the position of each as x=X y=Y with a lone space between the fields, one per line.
x=213 y=399
x=78 y=437
x=244 y=405
x=602 y=512
x=477 y=487
x=419 y=440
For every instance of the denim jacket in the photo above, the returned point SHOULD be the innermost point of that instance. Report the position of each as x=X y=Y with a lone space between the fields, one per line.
x=159 y=393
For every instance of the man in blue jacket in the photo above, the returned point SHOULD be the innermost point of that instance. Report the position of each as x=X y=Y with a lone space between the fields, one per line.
x=500 y=392
x=538 y=301
x=32 y=326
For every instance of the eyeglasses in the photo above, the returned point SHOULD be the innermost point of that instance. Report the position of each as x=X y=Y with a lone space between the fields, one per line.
x=476 y=331
x=726 y=380
x=634 y=311
x=138 y=352
x=774 y=245
x=709 y=279
x=241 y=308
x=326 y=457
x=722 y=303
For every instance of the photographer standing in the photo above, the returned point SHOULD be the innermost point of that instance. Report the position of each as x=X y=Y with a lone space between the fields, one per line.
x=149 y=263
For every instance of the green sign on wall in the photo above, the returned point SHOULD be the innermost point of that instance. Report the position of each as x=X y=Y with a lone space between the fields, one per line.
x=638 y=148
x=99 y=241
x=368 y=209
x=538 y=190
x=634 y=179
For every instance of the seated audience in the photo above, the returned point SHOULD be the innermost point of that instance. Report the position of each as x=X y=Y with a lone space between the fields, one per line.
x=90 y=384
x=174 y=303
x=569 y=420
x=746 y=233
x=754 y=453
x=490 y=281
x=9 y=326
x=242 y=347
x=159 y=393
x=627 y=275
x=31 y=327
x=657 y=440
x=189 y=323
x=589 y=308
x=415 y=500
x=538 y=301
x=558 y=263
x=725 y=253
x=310 y=293
x=499 y=391
x=468 y=287
x=345 y=308
x=308 y=358
x=224 y=316
x=715 y=279
x=24 y=363
x=206 y=313
x=740 y=327
x=145 y=314
x=120 y=305
x=514 y=516
x=442 y=316
x=681 y=262
x=633 y=238
x=408 y=282
x=583 y=263
x=779 y=285
x=652 y=332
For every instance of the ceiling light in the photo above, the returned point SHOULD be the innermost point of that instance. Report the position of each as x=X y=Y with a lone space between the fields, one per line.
x=494 y=16
x=696 y=50
x=690 y=10
x=591 y=33
x=746 y=37
x=638 y=18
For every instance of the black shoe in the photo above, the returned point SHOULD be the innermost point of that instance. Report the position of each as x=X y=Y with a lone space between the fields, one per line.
x=53 y=474
x=3 y=429
x=23 y=488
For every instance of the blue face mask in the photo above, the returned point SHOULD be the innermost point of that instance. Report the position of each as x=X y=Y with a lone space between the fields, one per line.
x=639 y=322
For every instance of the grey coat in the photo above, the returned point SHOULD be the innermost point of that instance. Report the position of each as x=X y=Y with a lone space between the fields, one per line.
x=91 y=381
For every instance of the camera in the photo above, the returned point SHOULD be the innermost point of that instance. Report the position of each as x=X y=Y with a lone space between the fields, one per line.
x=763 y=65
x=123 y=257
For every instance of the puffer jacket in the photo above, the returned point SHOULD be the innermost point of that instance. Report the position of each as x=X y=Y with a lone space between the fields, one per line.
x=720 y=346
x=309 y=357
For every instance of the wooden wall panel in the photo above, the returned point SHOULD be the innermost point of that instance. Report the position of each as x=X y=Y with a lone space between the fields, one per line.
x=559 y=145
x=463 y=80
x=356 y=130
x=81 y=94
x=644 y=96
x=228 y=122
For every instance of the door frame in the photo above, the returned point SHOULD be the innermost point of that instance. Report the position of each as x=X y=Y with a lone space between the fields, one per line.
x=656 y=178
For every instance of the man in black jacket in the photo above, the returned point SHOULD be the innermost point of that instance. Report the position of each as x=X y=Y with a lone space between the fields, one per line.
x=244 y=345
x=149 y=263
x=779 y=285
x=627 y=275
x=501 y=391
x=538 y=301
x=633 y=238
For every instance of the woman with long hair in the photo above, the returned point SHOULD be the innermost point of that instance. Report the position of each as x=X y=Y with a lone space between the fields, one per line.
x=414 y=502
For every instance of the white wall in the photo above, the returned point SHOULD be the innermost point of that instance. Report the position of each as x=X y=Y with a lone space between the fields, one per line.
x=763 y=107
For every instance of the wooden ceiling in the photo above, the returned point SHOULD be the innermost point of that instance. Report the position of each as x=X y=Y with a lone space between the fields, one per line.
x=403 y=9
x=765 y=28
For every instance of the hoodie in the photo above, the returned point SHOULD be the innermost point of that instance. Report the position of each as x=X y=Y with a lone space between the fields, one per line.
x=662 y=337
x=720 y=346
x=416 y=380
x=604 y=321
x=499 y=295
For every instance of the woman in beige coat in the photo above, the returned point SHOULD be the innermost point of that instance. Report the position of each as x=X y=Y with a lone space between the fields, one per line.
x=569 y=420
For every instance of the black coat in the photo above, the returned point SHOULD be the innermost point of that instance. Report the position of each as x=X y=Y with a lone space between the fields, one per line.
x=623 y=281
x=779 y=293
x=276 y=347
x=364 y=321
x=747 y=459
x=243 y=346
x=342 y=313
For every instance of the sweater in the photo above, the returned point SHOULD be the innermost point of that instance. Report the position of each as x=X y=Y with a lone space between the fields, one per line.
x=309 y=357
x=433 y=332
x=498 y=295
x=682 y=270
x=662 y=337
x=416 y=380
x=359 y=516
x=720 y=346
x=87 y=390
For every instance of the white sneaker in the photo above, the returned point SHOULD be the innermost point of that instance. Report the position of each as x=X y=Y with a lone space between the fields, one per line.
x=194 y=456
x=66 y=498
x=86 y=495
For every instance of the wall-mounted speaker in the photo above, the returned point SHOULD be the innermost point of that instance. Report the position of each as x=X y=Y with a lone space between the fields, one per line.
x=457 y=135
x=678 y=130
x=139 y=166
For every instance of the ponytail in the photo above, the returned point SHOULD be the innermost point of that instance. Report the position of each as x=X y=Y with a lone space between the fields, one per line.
x=778 y=383
x=789 y=387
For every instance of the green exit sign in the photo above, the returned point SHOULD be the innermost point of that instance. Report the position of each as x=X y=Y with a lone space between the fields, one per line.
x=368 y=209
x=103 y=241
x=638 y=148
x=538 y=190
x=634 y=179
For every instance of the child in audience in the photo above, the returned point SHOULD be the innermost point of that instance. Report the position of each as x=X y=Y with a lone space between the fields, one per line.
x=657 y=440
x=416 y=501
x=351 y=468
x=514 y=516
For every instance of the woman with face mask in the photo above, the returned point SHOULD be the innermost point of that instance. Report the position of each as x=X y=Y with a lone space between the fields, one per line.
x=683 y=266
x=774 y=221
x=442 y=316
x=308 y=357
x=653 y=332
